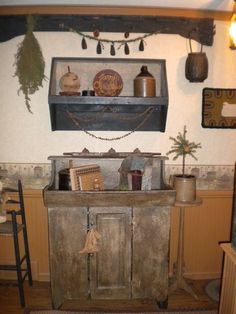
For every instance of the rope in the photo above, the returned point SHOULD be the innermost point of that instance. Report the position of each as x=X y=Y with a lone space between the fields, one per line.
x=76 y=120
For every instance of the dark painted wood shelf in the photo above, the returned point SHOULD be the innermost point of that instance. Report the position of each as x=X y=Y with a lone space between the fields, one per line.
x=111 y=109
x=199 y=29
x=121 y=113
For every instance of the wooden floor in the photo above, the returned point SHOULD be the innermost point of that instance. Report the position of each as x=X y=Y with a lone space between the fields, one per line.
x=38 y=297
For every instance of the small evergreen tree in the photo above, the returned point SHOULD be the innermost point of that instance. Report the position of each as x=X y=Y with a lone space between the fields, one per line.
x=182 y=147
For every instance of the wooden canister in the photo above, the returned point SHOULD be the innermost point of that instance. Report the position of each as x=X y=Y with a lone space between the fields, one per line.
x=196 y=67
x=144 y=84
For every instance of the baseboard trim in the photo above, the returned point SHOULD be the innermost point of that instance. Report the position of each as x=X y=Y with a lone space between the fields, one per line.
x=202 y=276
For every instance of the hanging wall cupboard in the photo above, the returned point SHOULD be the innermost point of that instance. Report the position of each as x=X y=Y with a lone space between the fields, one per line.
x=119 y=111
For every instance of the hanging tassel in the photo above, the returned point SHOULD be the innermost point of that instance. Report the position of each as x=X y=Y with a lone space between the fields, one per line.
x=99 y=48
x=84 y=44
x=126 y=49
x=112 y=51
x=141 y=45
x=92 y=242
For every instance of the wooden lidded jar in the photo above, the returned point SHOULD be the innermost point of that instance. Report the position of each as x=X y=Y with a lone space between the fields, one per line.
x=196 y=67
x=144 y=84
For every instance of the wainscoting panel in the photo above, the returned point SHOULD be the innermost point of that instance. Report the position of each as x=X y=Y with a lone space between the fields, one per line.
x=205 y=226
x=37 y=227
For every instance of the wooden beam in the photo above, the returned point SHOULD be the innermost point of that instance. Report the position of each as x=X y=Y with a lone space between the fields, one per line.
x=201 y=30
x=115 y=10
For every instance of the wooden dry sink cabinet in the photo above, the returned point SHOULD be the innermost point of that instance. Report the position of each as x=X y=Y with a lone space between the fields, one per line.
x=134 y=226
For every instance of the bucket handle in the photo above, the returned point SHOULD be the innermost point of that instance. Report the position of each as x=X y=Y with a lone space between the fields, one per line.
x=190 y=45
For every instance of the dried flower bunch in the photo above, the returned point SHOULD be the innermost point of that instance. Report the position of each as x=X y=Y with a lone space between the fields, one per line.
x=183 y=147
x=29 y=63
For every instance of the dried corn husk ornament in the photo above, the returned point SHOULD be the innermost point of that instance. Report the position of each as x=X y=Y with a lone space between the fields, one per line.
x=83 y=43
x=99 y=48
x=91 y=243
x=126 y=49
x=141 y=45
x=29 y=64
x=112 y=50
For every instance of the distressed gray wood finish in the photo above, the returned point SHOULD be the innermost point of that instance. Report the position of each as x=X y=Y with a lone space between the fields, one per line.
x=104 y=198
x=124 y=112
x=151 y=227
x=134 y=225
x=110 y=273
x=110 y=164
x=68 y=268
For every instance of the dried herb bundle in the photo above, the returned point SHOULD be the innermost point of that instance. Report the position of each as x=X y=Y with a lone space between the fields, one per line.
x=29 y=63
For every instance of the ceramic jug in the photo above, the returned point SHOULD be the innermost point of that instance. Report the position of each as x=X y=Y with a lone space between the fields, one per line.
x=144 y=84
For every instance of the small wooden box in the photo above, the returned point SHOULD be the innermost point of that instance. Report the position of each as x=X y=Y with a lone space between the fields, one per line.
x=87 y=177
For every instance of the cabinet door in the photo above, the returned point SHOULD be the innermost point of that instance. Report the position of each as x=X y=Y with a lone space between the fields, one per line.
x=151 y=227
x=67 y=234
x=110 y=273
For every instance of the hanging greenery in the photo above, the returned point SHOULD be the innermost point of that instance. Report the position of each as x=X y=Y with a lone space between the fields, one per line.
x=29 y=63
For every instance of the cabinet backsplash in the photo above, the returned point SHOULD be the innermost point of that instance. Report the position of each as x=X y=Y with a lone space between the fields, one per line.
x=36 y=176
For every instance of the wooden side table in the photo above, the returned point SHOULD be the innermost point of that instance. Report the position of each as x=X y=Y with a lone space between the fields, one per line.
x=179 y=281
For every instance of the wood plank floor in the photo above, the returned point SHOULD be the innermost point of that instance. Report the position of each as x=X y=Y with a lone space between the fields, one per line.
x=39 y=297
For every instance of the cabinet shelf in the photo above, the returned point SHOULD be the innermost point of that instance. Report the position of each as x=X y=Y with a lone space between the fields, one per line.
x=122 y=113
x=120 y=100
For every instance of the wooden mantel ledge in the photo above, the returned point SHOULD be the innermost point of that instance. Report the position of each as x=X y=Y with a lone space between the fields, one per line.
x=14 y=23
x=115 y=10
